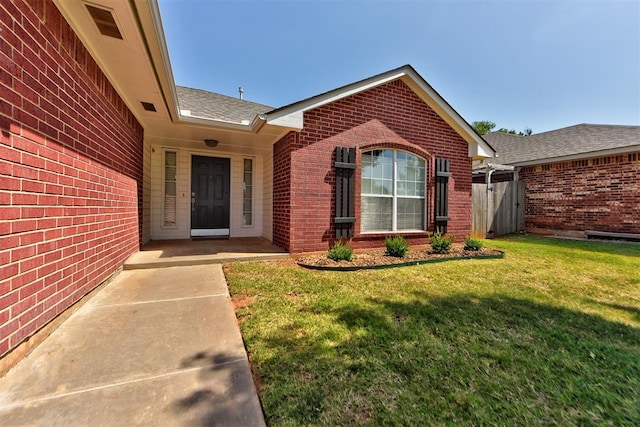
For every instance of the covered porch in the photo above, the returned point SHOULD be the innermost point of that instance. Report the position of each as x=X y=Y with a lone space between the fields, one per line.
x=186 y=252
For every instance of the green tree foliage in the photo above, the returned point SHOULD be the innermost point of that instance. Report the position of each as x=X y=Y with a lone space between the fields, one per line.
x=483 y=127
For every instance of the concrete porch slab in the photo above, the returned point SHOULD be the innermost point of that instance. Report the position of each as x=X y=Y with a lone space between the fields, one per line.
x=168 y=253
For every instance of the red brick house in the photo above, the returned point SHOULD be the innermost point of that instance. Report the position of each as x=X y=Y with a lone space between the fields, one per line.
x=578 y=179
x=100 y=152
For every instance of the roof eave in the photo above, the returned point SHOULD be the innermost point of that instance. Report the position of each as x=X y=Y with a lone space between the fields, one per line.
x=159 y=52
x=204 y=121
x=579 y=156
x=292 y=115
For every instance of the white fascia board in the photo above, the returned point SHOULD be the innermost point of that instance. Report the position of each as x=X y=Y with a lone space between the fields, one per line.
x=478 y=147
x=480 y=151
x=293 y=120
x=292 y=116
x=165 y=75
x=580 y=156
x=196 y=120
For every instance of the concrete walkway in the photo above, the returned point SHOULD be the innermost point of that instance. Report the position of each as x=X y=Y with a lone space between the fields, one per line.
x=171 y=253
x=153 y=347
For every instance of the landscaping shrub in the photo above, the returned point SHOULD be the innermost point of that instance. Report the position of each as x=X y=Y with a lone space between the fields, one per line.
x=440 y=244
x=473 y=244
x=340 y=251
x=396 y=246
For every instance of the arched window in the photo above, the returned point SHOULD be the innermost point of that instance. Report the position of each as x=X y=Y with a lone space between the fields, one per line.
x=393 y=192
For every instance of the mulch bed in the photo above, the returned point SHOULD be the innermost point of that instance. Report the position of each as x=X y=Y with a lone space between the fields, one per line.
x=377 y=258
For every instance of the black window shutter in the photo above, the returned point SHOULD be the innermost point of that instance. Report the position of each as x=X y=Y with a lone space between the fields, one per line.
x=442 y=195
x=345 y=192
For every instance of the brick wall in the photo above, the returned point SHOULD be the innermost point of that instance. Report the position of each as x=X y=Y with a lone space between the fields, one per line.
x=391 y=115
x=282 y=190
x=600 y=194
x=70 y=171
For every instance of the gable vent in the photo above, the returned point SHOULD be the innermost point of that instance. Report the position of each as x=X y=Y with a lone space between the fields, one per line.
x=104 y=21
x=148 y=106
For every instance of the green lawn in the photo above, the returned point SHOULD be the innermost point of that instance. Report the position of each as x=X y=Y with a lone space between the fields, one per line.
x=548 y=335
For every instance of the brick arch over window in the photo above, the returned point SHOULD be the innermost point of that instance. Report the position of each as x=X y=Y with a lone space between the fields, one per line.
x=404 y=145
x=397 y=144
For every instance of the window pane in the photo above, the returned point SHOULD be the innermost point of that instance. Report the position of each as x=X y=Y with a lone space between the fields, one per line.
x=247 y=193
x=367 y=170
x=170 y=188
x=410 y=175
x=410 y=214
x=376 y=214
x=366 y=186
x=387 y=171
x=377 y=179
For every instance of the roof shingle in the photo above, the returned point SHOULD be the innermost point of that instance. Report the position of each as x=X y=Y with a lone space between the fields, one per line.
x=214 y=106
x=569 y=141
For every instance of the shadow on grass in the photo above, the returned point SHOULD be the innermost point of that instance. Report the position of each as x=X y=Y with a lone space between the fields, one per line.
x=463 y=359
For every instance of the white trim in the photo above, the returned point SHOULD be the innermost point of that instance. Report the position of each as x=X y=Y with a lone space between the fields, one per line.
x=205 y=232
x=292 y=115
x=169 y=81
x=204 y=121
x=253 y=190
x=164 y=188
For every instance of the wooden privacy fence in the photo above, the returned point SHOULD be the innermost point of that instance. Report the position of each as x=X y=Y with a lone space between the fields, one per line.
x=498 y=209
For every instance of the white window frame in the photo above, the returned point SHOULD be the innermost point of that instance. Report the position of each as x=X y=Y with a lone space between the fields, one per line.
x=394 y=196
x=164 y=189
x=253 y=191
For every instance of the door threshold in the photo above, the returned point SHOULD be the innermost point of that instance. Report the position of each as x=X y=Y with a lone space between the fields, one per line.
x=196 y=238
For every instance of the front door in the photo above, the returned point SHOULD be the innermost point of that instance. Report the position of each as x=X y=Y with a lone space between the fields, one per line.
x=209 y=196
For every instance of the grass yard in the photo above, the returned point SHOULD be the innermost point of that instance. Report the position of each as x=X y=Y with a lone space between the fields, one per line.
x=548 y=335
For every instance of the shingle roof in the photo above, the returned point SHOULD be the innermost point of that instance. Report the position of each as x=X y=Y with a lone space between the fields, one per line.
x=570 y=141
x=214 y=106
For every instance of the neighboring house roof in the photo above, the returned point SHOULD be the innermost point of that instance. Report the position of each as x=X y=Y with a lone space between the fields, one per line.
x=292 y=115
x=573 y=142
x=208 y=105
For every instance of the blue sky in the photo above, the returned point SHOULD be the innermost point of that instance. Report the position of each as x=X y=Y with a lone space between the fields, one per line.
x=535 y=63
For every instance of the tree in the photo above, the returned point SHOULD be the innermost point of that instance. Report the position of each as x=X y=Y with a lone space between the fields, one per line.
x=527 y=131
x=483 y=127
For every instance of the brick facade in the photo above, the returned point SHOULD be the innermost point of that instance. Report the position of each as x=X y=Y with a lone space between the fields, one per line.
x=387 y=116
x=70 y=171
x=282 y=190
x=601 y=194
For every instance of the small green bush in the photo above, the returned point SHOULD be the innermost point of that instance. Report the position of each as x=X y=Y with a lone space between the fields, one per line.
x=396 y=246
x=473 y=244
x=440 y=244
x=340 y=251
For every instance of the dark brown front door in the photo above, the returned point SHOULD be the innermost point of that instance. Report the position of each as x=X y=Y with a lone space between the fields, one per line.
x=209 y=196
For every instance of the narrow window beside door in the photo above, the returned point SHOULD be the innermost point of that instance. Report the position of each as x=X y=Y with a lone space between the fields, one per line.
x=170 y=171
x=247 y=193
